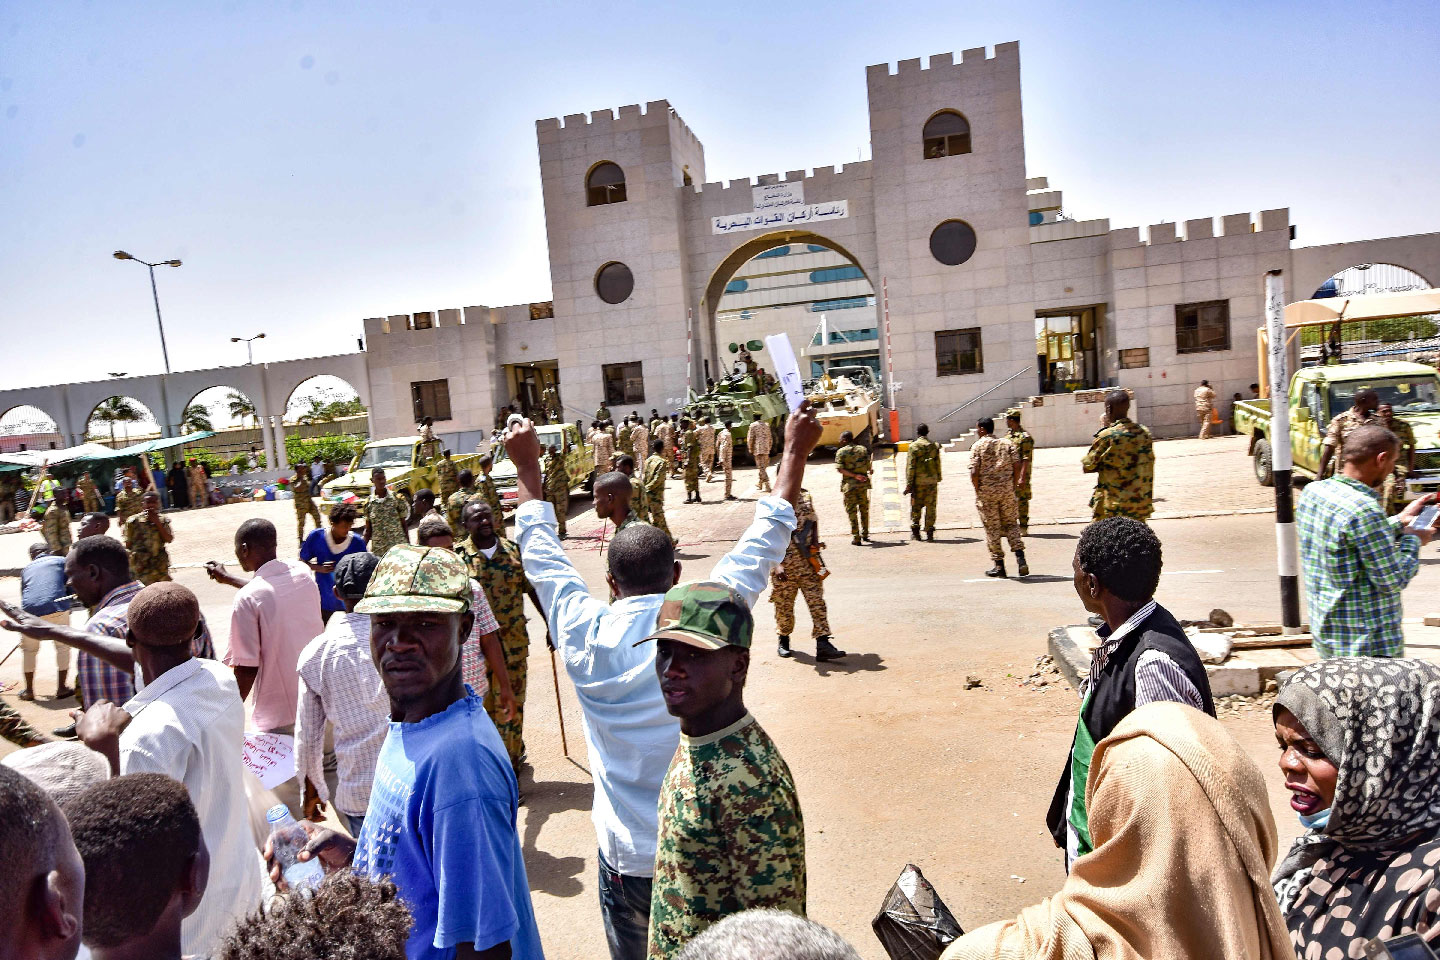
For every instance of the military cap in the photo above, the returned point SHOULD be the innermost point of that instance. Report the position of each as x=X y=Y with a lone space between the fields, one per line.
x=413 y=579
x=704 y=614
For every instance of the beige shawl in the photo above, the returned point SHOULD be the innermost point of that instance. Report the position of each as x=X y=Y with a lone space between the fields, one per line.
x=1184 y=843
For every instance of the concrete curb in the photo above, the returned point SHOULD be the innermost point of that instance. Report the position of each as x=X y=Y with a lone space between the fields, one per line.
x=1072 y=662
x=1226 y=679
x=1085 y=521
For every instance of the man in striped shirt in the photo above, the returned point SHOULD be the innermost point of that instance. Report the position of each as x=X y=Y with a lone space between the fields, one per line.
x=1144 y=656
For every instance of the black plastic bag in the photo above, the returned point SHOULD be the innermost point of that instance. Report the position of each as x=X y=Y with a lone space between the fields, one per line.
x=913 y=922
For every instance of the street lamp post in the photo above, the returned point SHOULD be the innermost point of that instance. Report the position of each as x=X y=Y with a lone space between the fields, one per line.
x=249 y=352
x=164 y=350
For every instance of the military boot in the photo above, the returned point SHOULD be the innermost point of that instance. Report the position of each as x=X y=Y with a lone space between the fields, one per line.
x=784 y=648
x=930 y=534
x=855 y=539
x=915 y=532
x=999 y=569
x=1022 y=568
x=865 y=535
x=825 y=650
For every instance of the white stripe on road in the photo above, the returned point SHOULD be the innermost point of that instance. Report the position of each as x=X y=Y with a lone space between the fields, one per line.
x=1181 y=573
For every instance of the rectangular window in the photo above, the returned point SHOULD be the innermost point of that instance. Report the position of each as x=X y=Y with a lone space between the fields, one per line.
x=624 y=383
x=431 y=399
x=1134 y=358
x=957 y=352
x=1202 y=327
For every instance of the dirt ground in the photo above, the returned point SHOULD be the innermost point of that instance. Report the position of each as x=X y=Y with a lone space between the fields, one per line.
x=894 y=759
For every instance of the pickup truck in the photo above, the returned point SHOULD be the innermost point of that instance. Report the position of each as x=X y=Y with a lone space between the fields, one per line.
x=406 y=472
x=1318 y=394
x=579 y=460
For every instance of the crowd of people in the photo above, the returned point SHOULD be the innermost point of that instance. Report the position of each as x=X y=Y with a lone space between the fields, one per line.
x=398 y=666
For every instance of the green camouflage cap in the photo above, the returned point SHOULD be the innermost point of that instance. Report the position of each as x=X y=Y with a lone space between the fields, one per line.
x=704 y=614
x=411 y=579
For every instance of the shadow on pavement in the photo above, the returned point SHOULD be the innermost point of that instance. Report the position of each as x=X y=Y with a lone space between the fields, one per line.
x=1052 y=536
x=558 y=876
x=1042 y=578
x=851 y=663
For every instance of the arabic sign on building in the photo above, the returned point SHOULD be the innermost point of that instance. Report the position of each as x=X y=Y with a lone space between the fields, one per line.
x=779 y=195
x=779 y=217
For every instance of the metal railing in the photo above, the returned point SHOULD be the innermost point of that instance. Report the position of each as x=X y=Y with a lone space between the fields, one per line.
x=1028 y=368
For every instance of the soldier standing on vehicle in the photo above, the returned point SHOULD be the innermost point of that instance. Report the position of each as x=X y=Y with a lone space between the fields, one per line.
x=757 y=441
x=852 y=461
x=690 y=456
x=447 y=477
x=922 y=481
x=455 y=503
x=797 y=574
x=725 y=450
x=428 y=444
x=146 y=535
x=1393 y=494
x=1024 y=449
x=556 y=486
x=995 y=473
x=653 y=476
x=1123 y=459
x=1361 y=413
x=1204 y=407
x=304 y=503
x=706 y=433
x=385 y=516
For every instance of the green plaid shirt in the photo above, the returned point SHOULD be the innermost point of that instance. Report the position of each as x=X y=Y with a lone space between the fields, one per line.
x=1355 y=562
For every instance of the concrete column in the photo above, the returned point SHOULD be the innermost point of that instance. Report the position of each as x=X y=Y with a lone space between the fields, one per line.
x=265 y=442
x=282 y=462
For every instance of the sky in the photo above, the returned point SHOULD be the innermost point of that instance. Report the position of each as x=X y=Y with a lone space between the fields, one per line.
x=314 y=164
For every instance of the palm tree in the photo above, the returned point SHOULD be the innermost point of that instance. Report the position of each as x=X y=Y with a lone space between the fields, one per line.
x=196 y=419
x=241 y=407
x=117 y=410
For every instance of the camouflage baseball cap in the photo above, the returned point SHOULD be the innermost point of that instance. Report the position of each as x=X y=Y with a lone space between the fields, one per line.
x=704 y=614
x=411 y=579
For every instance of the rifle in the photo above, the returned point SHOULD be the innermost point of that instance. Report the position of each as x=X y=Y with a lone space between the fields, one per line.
x=808 y=542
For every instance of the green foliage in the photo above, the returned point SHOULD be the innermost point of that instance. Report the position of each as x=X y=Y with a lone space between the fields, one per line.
x=196 y=419
x=115 y=410
x=324 y=411
x=216 y=462
x=240 y=407
x=1386 y=330
x=336 y=448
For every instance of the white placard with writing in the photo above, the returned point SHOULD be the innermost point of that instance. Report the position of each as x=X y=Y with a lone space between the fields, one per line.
x=779 y=195
x=780 y=217
x=270 y=757
x=787 y=371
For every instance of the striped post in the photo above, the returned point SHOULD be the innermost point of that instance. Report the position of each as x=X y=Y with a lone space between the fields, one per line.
x=1281 y=461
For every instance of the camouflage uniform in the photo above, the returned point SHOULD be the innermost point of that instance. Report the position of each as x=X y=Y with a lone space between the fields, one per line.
x=447 y=479
x=639 y=500
x=485 y=487
x=385 y=524
x=128 y=503
x=1125 y=460
x=604 y=451
x=731 y=837
x=690 y=452
x=622 y=439
x=639 y=444
x=304 y=507
x=455 y=505
x=795 y=574
x=666 y=435
x=855 y=458
x=922 y=477
x=603 y=413
x=502 y=577
x=55 y=528
x=757 y=441
x=198 y=494
x=1393 y=493
x=1204 y=407
x=551 y=400
x=149 y=558
x=1025 y=450
x=655 y=475
x=725 y=450
x=557 y=487
x=14 y=728
x=1340 y=428
x=88 y=494
x=706 y=435
x=993 y=462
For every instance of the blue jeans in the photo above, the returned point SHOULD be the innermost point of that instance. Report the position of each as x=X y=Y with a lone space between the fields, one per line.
x=353 y=822
x=625 y=908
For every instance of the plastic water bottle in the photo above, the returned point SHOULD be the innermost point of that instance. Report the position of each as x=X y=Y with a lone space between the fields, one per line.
x=287 y=839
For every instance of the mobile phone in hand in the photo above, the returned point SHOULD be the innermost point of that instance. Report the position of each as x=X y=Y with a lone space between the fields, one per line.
x=1426 y=519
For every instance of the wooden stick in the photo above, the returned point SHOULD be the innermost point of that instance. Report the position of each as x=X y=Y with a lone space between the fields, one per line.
x=559 y=708
x=35 y=494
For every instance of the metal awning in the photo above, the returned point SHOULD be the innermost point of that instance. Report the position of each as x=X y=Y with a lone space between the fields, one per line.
x=162 y=443
x=35 y=458
x=1373 y=306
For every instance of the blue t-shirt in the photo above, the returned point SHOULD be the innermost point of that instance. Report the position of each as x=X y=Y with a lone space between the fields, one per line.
x=317 y=547
x=441 y=824
x=42 y=584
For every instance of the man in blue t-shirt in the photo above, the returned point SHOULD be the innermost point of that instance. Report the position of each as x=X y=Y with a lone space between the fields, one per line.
x=442 y=816
x=44 y=593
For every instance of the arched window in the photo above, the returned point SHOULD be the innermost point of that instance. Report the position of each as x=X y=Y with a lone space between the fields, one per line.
x=604 y=184
x=947 y=134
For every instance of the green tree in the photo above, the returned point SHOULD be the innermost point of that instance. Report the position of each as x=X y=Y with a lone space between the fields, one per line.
x=113 y=411
x=333 y=448
x=241 y=407
x=196 y=419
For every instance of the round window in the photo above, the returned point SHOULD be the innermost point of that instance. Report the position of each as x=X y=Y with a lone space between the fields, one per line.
x=614 y=283
x=953 y=242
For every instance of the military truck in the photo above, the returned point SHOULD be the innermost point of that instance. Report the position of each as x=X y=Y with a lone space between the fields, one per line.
x=579 y=460
x=1319 y=394
x=738 y=398
x=406 y=472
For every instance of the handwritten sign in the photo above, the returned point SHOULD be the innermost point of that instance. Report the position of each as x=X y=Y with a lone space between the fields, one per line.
x=781 y=216
x=787 y=371
x=270 y=757
x=779 y=195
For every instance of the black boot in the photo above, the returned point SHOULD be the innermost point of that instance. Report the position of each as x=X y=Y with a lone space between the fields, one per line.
x=930 y=535
x=915 y=532
x=784 y=648
x=998 y=570
x=855 y=539
x=825 y=650
x=1022 y=568
x=865 y=535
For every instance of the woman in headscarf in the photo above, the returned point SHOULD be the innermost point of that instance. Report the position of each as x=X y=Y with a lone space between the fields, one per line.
x=1360 y=750
x=1183 y=845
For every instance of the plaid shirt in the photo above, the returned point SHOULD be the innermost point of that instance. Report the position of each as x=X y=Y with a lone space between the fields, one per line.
x=99 y=680
x=1355 y=562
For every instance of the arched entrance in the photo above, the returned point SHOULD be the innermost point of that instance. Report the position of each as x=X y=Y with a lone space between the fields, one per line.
x=797 y=283
x=120 y=421
x=24 y=427
x=323 y=399
x=1383 y=339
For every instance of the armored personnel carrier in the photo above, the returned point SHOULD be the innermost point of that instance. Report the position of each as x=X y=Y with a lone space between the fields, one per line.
x=846 y=398
x=737 y=399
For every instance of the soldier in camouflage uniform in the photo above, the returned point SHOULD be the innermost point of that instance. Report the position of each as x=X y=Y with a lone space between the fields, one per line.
x=757 y=441
x=146 y=535
x=1124 y=460
x=304 y=503
x=1025 y=449
x=1361 y=413
x=603 y=449
x=690 y=457
x=626 y=464
x=995 y=472
x=455 y=503
x=447 y=478
x=796 y=574
x=725 y=451
x=622 y=438
x=502 y=577
x=1393 y=493
x=551 y=401
x=89 y=496
x=731 y=836
x=922 y=479
x=639 y=442
x=852 y=462
x=557 y=486
x=653 y=477
x=706 y=434
x=326 y=475
x=677 y=456
x=55 y=526
x=385 y=516
x=485 y=488
x=128 y=500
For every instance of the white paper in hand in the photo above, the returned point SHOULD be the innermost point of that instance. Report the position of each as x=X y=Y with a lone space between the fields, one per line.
x=787 y=371
x=270 y=757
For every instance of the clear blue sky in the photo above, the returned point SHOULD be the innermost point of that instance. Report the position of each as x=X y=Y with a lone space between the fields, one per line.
x=318 y=163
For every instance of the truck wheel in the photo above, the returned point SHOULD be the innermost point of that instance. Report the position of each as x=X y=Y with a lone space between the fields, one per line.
x=1263 y=470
